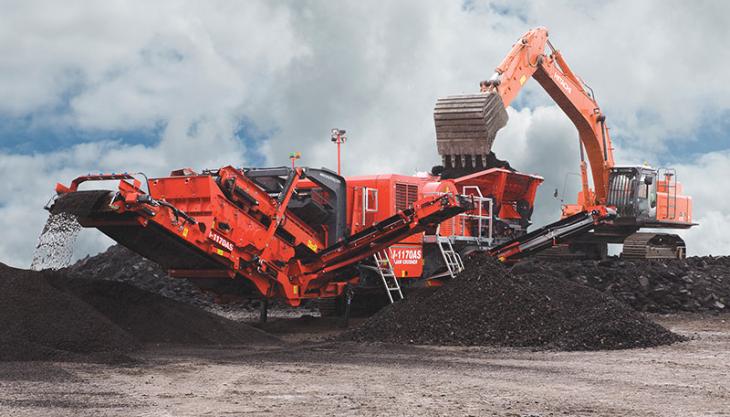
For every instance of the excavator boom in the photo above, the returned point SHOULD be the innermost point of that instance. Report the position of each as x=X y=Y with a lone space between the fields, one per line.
x=527 y=59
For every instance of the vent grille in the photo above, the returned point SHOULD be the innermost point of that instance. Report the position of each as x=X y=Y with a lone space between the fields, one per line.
x=405 y=195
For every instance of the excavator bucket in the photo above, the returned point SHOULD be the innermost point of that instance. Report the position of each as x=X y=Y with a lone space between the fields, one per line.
x=466 y=126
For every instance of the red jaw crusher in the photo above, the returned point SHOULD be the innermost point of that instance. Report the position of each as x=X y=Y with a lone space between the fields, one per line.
x=272 y=232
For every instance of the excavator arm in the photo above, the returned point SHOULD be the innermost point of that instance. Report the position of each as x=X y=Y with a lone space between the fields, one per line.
x=528 y=59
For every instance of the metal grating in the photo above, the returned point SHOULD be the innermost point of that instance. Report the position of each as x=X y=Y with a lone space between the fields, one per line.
x=405 y=195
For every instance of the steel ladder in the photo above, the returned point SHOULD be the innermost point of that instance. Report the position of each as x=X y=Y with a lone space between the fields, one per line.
x=453 y=261
x=390 y=281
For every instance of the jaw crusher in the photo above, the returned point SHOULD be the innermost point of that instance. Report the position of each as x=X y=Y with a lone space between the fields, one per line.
x=266 y=232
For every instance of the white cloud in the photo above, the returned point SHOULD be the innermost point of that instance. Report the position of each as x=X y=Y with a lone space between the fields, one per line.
x=543 y=142
x=653 y=64
x=703 y=179
x=297 y=69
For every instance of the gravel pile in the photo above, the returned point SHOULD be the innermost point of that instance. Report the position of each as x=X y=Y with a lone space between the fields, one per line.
x=121 y=264
x=48 y=315
x=41 y=322
x=152 y=318
x=486 y=305
x=697 y=284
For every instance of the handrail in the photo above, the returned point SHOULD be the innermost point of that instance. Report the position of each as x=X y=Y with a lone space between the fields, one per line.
x=480 y=217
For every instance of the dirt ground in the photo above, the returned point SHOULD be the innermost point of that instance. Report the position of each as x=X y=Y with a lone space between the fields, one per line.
x=313 y=377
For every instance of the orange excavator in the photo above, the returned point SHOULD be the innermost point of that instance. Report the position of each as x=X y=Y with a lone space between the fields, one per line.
x=624 y=199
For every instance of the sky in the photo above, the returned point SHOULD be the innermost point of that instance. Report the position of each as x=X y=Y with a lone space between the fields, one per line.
x=90 y=86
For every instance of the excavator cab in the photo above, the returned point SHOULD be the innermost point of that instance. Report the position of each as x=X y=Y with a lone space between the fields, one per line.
x=647 y=197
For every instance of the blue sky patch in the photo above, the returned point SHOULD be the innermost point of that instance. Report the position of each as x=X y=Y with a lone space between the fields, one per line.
x=712 y=135
x=253 y=138
x=25 y=136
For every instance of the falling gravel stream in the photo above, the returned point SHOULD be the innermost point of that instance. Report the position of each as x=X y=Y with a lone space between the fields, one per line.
x=56 y=242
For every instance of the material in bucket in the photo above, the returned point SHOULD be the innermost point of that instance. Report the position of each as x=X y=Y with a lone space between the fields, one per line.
x=466 y=126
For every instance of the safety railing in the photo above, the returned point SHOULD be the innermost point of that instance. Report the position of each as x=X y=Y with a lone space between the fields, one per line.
x=670 y=188
x=482 y=215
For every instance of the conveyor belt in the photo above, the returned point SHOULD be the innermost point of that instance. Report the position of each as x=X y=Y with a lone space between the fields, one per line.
x=547 y=236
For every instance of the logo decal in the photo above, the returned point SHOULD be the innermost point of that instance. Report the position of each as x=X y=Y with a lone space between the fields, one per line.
x=560 y=80
x=405 y=256
x=215 y=237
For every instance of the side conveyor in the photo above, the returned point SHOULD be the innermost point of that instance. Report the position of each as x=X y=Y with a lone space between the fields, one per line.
x=547 y=236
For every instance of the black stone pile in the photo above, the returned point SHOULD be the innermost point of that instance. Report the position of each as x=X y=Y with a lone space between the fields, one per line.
x=486 y=305
x=696 y=284
x=49 y=315
x=41 y=322
x=121 y=264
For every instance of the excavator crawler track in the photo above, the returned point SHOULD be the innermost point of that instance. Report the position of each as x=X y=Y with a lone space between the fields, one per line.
x=654 y=246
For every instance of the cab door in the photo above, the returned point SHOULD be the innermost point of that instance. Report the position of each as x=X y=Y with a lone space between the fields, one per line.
x=646 y=198
x=366 y=207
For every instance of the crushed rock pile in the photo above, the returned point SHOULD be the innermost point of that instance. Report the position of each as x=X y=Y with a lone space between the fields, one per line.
x=48 y=315
x=151 y=318
x=696 y=284
x=486 y=305
x=40 y=322
x=121 y=264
